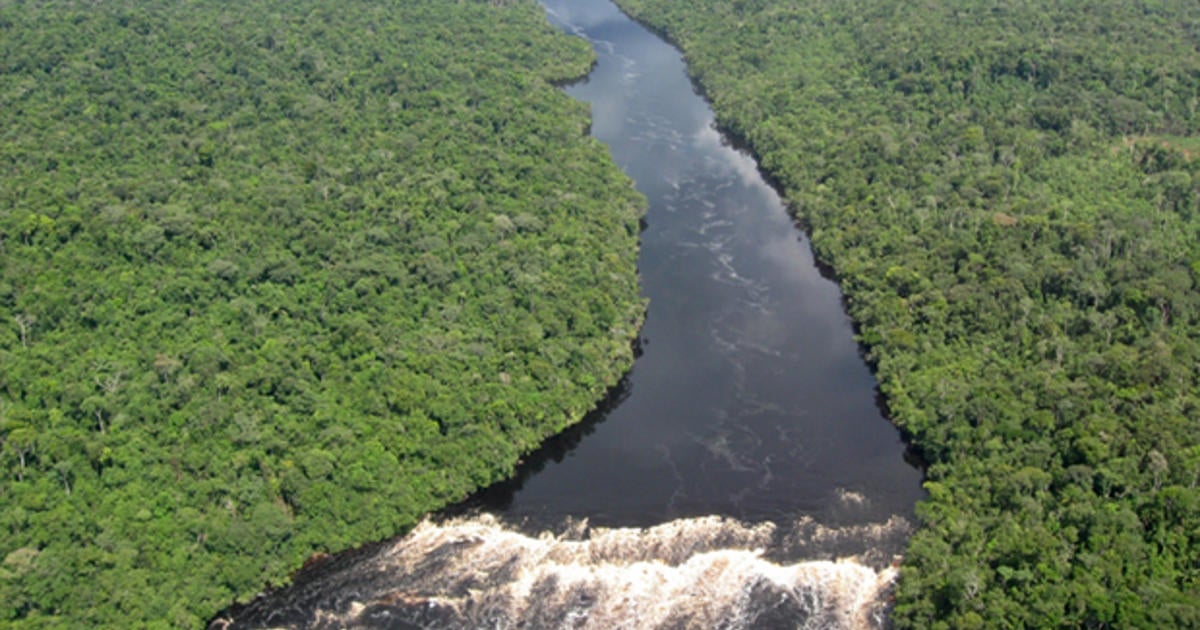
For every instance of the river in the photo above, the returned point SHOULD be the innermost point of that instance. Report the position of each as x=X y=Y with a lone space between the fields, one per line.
x=741 y=476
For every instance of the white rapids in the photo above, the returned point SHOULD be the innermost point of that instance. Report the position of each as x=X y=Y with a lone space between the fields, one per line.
x=707 y=572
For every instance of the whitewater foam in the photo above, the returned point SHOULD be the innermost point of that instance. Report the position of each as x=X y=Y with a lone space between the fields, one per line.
x=707 y=572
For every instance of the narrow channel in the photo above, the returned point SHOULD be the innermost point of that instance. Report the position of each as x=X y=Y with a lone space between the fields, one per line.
x=741 y=476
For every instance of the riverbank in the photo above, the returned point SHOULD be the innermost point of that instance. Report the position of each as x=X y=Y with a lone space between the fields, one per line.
x=281 y=280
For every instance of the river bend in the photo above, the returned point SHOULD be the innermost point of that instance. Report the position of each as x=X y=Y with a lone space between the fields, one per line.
x=741 y=476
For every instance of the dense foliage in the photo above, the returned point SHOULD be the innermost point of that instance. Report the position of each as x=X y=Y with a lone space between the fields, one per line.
x=278 y=276
x=1007 y=193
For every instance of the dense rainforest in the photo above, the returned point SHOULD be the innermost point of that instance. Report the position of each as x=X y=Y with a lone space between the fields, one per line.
x=279 y=276
x=1009 y=194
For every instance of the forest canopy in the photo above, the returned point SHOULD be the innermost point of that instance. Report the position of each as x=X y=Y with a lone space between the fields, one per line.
x=1009 y=194
x=279 y=277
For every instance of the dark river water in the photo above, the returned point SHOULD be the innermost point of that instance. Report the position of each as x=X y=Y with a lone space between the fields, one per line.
x=741 y=476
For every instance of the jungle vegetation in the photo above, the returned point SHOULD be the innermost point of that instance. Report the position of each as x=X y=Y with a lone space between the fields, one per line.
x=279 y=277
x=1009 y=194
